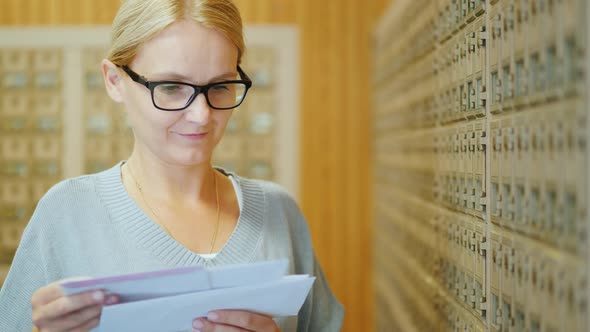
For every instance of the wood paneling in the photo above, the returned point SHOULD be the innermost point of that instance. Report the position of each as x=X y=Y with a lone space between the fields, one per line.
x=335 y=168
x=42 y=12
x=335 y=110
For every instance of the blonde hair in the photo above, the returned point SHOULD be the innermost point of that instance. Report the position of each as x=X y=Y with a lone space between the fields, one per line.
x=137 y=21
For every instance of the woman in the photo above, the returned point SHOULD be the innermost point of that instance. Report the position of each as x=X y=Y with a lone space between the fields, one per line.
x=174 y=65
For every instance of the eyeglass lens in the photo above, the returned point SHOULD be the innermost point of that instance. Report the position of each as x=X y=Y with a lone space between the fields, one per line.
x=175 y=96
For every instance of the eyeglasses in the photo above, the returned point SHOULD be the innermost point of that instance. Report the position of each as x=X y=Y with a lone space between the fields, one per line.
x=176 y=96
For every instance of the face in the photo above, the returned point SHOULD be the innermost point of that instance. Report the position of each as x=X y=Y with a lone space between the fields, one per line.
x=184 y=52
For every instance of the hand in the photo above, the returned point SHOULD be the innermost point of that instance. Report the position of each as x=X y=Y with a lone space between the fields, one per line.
x=53 y=311
x=235 y=321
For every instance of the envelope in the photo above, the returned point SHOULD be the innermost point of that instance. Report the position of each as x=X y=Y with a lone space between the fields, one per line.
x=278 y=298
x=169 y=300
x=173 y=281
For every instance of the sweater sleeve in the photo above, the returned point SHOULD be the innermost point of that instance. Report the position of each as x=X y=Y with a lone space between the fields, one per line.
x=325 y=313
x=27 y=273
x=321 y=310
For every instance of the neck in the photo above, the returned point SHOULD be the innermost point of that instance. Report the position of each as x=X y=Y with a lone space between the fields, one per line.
x=171 y=182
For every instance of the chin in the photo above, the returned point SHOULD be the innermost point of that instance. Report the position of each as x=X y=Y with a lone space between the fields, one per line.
x=183 y=155
x=190 y=160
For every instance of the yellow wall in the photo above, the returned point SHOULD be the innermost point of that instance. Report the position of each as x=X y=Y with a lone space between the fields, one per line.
x=335 y=164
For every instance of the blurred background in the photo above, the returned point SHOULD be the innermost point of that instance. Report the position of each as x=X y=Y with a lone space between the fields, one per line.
x=438 y=148
x=332 y=91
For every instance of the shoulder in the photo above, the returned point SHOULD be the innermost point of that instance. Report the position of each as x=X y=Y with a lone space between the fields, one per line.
x=275 y=191
x=71 y=187
x=277 y=206
x=84 y=186
x=75 y=196
x=70 y=190
x=273 y=194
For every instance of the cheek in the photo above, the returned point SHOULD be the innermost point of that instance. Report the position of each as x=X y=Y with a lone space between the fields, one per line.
x=136 y=96
x=143 y=114
x=221 y=121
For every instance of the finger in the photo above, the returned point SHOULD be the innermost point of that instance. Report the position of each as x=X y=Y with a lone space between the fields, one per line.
x=244 y=319
x=83 y=318
x=51 y=292
x=77 y=319
x=111 y=299
x=204 y=325
x=66 y=305
x=46 y=294
x=87 y=326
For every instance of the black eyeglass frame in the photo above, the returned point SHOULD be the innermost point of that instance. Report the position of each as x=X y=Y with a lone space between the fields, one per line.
x=151 y=85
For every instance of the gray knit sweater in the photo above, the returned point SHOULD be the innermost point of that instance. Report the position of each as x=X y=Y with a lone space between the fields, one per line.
x=90 y=226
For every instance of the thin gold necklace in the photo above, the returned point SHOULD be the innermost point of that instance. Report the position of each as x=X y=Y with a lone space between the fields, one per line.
x=158 y=218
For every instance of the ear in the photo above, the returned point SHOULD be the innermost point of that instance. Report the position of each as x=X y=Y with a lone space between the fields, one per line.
x=112 y=80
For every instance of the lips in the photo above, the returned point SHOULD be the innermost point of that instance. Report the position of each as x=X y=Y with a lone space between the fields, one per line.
x=190 y=133
x=192 y=136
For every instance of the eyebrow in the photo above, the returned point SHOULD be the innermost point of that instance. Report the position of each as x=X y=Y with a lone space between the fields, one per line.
x=177 y=76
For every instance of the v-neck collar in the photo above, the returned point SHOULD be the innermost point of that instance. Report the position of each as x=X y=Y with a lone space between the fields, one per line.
x=239 y=248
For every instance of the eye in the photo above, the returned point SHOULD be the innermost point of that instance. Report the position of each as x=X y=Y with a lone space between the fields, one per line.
x=170 y=88
x=221 y=87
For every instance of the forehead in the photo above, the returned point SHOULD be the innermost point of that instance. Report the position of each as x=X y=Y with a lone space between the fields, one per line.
x=189 y=48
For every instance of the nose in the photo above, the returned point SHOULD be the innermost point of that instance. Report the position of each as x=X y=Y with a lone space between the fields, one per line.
x=198 y=111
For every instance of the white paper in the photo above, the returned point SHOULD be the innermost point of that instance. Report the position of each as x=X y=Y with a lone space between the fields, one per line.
x=169 y=300
x=283 y=297
x=168 y=282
